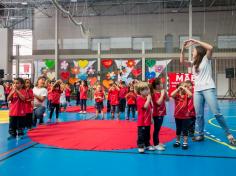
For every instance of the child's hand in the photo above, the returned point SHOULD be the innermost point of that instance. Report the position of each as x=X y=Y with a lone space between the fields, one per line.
x=163 y=92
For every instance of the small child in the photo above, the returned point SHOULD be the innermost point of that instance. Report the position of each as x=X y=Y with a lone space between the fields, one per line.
x=99 y=97
x=68 y=93
x=7 y=90
x=159 y=96
x=181 y=96
x=83 y=96
x=55 y=100
x=114 y=100
x=29 y=100
x=144 y=106
x=122 y=93
x=49 y=86
x=17 y=108
x=131 y=102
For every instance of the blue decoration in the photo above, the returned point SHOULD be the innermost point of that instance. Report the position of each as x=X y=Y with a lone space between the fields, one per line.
x=82 y=76
x=150 y=75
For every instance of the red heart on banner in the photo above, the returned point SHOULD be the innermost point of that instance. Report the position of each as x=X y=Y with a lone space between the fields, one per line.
x=136 y=72
x=65 y=75
x=107 y=63
x=92 y=81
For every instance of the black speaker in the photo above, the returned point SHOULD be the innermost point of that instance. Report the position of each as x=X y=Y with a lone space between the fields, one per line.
x=1 y=73
x=229 y=72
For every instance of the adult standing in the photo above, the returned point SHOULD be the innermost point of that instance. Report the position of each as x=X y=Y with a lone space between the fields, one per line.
x=205 y=89
x=40 y=95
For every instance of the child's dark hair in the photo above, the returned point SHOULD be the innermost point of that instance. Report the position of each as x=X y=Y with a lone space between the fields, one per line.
x=85 y=83
x=155 y=83
x=130 y=88
x=31 y=85
x=21 y=80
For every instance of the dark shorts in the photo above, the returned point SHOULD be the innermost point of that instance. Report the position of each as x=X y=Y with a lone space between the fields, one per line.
x=115 y=109
x=99 y=106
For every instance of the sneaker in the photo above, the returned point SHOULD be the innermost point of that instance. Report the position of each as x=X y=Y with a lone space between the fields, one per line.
x=84 y=112
x=176 y=144
x=141 y=150
x=159 y=147
x=150 y=148
x=163 y=145
x=185 y=146
x=11 y=137
x=127 y=118
x=133 y=119
x=57 y=120
x=231 y=139
x=198 y=138
x=81 y=112
x=49 y=121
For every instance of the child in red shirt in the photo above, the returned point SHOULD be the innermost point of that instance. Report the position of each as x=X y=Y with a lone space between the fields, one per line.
x=17 y=108
x=55 y=100
x=114 y=100
x=144 y=107
x=49 y=89
x=29 y=99
x=83 y=96
x=131 y=102
x=67 y=93
x=108 y=101
x=7 y=90
x=99 y=97
x=159 y=96
x=122 y=100
x=181 y=96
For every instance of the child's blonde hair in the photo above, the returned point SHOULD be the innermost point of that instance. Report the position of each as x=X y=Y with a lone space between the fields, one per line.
x=139 y=87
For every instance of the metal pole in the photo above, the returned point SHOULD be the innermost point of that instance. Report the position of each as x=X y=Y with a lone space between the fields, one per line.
x=56 y=43
x=143 y=61
x=99 y=61
x=17 y=60
x=190 y=32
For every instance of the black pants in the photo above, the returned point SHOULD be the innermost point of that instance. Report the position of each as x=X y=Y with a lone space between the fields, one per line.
x=182 y=126
x=157 y=127
x=83 y=104
x=77 y=99
x=29 y=120
x=192 y=125
x=68 y=99
x=143 y=136
x=122 y=105
x=53 y=106
x=108 y=106
x=6 y=95
x=131 y=108
x=16 y=125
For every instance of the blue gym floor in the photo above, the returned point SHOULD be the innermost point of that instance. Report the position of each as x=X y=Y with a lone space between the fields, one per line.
x=211 y=157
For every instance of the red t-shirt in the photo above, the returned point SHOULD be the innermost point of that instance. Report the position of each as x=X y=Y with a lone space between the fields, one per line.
x=131 y=98
x=158 y=110
x=99 y=94
x=191 y=109
x=83 y=92
x=181 y=107
x=114 y=97
x=123 y=92
x=49 y=88
x=109 y=95
x=17 y=106
x=67 y=92
x=144 y=115
x=28 y=101
x=7 y=90
x=55 y=99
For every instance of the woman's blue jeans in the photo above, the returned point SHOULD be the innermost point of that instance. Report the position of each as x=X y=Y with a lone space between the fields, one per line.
x=208 y=96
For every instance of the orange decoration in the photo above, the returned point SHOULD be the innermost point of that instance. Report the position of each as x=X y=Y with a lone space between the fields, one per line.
x=107 y=83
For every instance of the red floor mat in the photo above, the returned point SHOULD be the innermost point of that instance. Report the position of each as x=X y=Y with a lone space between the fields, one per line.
x=93 y=135
x=90 y=109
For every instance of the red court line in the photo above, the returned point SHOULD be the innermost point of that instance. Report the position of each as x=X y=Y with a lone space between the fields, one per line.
x=15 y=149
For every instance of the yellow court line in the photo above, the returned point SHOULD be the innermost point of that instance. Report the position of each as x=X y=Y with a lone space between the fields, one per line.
x=210 y=122
x=222 y=143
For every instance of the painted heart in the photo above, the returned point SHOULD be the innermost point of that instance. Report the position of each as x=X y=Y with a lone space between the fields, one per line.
x=130 y=63
x=150 y=75
x=107 y=63
x=136 y=72
x=83 y=63
x=75 y=70
x=92 y=81
x=107 y=83
x=50 y=63
x=65 y=75
x=82 y=76
x=51 y=75
x=150 y=62
x=72 y=81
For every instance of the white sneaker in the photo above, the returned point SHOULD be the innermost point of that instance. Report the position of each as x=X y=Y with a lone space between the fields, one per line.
x=141 y=150
x=81 y=112
x=57 y=120
x=163 y=145
x=84 y=112
x=159 y=147
x=150 y=148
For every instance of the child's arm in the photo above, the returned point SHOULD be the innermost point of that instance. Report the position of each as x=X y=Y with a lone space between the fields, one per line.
x=148 y=101
x=11 y=94
x=183 y=60
x=161 y=99
x=174 y=93
x=205 y=45
x=21 y=96
x=187 y=91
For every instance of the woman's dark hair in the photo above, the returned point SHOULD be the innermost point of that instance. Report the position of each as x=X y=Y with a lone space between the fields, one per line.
x=201 y=52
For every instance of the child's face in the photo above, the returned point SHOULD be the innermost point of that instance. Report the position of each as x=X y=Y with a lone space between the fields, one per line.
x=99 y=88
x=27 y=83
x=190 y=87
x=131 y=89
x=145 y=92
x=160 y=86
x=41 y=82
x=17 y=84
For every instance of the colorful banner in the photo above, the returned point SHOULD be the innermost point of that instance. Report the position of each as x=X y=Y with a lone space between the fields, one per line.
x=176 y=78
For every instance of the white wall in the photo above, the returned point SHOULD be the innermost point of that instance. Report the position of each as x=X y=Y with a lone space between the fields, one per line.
x=156 y=26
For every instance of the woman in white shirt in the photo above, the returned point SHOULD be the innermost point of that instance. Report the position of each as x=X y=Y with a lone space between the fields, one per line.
x=205 y=89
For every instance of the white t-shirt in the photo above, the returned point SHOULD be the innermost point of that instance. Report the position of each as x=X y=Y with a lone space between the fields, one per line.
x=39 y=92
x=203 y=78
x=2 y=93
x=63 y=98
